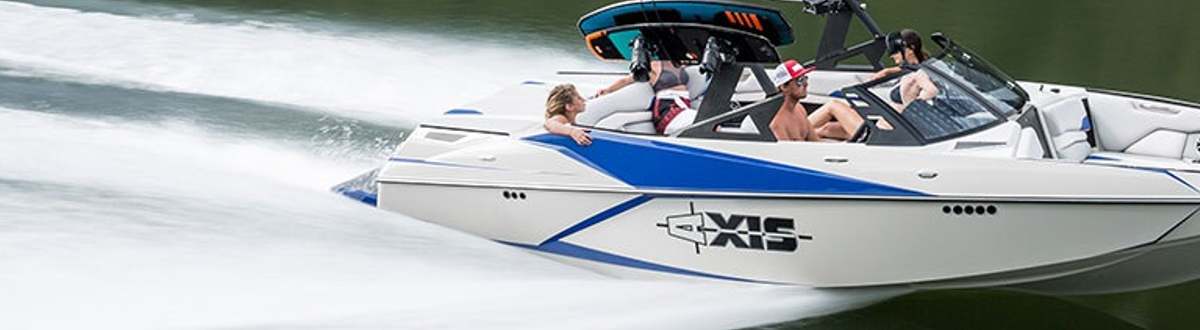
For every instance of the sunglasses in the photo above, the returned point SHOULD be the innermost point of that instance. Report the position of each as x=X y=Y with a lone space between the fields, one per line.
x=895 y=43
x=801 y=80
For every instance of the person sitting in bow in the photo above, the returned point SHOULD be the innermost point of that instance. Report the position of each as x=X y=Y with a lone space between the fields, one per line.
x=562 y=106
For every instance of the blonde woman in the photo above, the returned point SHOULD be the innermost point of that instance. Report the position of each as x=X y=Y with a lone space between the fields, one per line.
x=562 y=106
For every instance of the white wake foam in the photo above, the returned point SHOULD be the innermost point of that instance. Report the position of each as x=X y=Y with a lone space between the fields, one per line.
x=380 y=76
x=129 y=226
x=117 y=225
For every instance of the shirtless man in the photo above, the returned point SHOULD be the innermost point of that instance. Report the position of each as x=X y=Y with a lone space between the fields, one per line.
x=791 y=122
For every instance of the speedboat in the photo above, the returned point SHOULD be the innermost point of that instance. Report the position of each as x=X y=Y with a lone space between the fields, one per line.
x=992 y=183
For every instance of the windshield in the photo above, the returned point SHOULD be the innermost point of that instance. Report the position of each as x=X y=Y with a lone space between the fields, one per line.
x=936 y=107
x=996 y=87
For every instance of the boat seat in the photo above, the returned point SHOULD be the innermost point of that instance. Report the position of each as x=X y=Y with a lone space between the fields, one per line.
x=1067 y=127
x=1145 y=127
x=628 y=109
x=697 y=83
x=635 y=98
x=827 y=82
x=1029 y=145
x=745 y=126
x=636 y=121
x=1161 y=143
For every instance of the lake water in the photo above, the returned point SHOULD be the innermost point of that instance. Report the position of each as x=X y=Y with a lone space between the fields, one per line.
x=166 y=164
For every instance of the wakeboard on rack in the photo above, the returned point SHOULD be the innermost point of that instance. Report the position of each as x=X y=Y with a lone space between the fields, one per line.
x=758 y=20
x=683 y=43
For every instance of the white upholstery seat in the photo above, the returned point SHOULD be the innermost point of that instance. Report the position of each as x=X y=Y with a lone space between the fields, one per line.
x=745 y=127
x=697 y=84
x=1133 y=125
x=1066 y=123
x=633 y=98
x=1167 y=144
x=1029 y=146
x=636 y=121
x=627 y=109
x=1072 y=145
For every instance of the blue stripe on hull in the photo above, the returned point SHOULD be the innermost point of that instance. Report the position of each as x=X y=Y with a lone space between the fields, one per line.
x=1149 y=169
x=1181 y=180
x=648 y=164
x=600 y=217
x=360 y=195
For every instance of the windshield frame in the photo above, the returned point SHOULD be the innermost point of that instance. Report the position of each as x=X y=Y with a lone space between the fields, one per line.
x=904 y=132
x=962 y=54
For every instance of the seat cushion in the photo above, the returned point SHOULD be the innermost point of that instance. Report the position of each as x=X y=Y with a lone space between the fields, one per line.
x=633 y=98
x=1072 y=145
x=1167 y=144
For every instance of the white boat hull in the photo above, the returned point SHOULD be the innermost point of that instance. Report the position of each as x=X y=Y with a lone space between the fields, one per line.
x=819 y=242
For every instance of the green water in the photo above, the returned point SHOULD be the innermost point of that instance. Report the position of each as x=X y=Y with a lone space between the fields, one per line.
x=1147 y=47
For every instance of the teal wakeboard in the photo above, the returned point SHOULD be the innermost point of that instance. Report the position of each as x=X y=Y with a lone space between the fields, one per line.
x=753 y=19
x=682 y=43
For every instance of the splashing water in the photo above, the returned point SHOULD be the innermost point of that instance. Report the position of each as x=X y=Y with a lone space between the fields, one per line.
x=116 y=221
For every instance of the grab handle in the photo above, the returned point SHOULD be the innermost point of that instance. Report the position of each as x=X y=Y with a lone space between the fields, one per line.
x=1156 y=108
x=836 y=159
x=927 y=174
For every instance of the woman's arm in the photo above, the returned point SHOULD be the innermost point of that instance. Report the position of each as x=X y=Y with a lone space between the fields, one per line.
x=558 y=125
x=917 y=86
x=616 y=85
x=926 y=89
x=885 y=72
x=655 y=68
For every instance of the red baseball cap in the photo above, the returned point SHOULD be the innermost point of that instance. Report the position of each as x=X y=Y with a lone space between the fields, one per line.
x=787 y=71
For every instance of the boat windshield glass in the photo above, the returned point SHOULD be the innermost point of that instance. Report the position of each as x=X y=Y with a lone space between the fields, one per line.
x=997 y=88
x=936 y=107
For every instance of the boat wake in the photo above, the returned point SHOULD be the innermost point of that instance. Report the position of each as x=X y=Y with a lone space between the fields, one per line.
x=376 y=76
x=160 y=174
x=126 y=226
